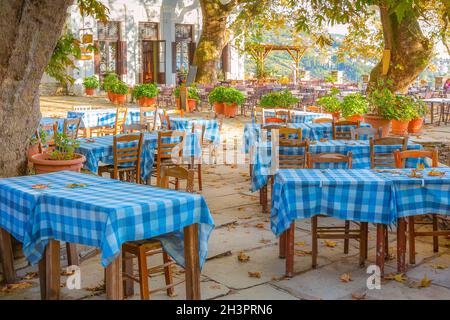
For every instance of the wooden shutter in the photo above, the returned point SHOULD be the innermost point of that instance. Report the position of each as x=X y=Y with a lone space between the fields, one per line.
x=122 y=58
x=174 y=57
x=226 y=66
x=192 y=47
x=97 y=57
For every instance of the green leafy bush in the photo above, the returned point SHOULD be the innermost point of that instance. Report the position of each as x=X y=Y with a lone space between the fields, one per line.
x=420 y=107
x=403 y=109
x=193 y=92
x=232 y=95
x=64 y=147
x=278 y=99
x=109 y=80
x=148 y=90
x=331 y=102
x=119 y=87
x=42 y=135
x=354 y=104
x=217 y=95
x=91 y=82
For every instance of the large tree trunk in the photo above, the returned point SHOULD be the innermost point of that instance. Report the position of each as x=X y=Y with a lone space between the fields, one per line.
x=29 y=30
x=410 y=50
x=213 y=39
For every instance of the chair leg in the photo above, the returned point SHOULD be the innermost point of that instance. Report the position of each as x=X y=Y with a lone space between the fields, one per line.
x=72 y=254
x=127 y=268
x=435 y=238
x=314 y=241
x=386 y=242
x=363 y=243
x=168 y=275
x=346 y=241
x=367 y=240
x=411 y=240
x=143 y=275
x=200 y=184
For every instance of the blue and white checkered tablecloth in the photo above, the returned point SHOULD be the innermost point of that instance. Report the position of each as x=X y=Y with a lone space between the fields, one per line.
x=105 y=214
x=357 y=195
x=325 y=130
x=212 y=130
x=106 y=117
x=47 y=124
x=360 y=160
x=102 y=150
x=299 y=116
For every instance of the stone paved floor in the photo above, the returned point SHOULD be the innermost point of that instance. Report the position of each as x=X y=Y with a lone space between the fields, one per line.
x=241 y=227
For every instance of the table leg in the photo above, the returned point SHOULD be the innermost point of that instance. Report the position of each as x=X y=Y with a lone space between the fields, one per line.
x=192 y=269
x=6 y=256
x=72 y=254
x=380 y=247
x=282 y=245
x=49 y=271
x=113 y=280
x=401 y=245
x=290 y=233
x=128 y=284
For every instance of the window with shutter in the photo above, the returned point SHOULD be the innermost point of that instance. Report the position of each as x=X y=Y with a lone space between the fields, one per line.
x=110 y=55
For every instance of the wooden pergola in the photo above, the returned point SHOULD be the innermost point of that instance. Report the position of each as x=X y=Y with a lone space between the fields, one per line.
x=259 y=52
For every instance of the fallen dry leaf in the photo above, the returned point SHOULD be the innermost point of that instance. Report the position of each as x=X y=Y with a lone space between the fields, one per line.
x=30 y=275
x=242 y=257
x=259 y=225
x=255 y=274
x=425 y=282
x=357 y=296
x=346 y=278
x=300 y=244
x=216 y=286
x=439 y=266
x=330 y=244
x=15 y=286
x=275 y=278
x=100 y=287
x=399 y=277
x=245 y=218
x=40 y=186
x=265 y=241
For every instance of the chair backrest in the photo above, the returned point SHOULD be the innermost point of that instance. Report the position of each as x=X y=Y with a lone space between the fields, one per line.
x=148 y=117
x=121 y=118
x=178 y=173
x=255 y=112
x=71 y=127
x=288 y=159
x=343 y=134
x=286 y=132
x=322 y=120
x=127 y=154
x=330 y=158
x=371 y=133
x=383 y=159
x=401 y=156
x=162 y=120
x=313 y=109
x=166 y=145
x=81 y=108
x=284 y=115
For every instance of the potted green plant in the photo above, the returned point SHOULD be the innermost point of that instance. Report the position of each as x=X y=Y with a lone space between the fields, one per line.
x=193 y=96
x=120 y=90
x=278 y=99
x=62 y=158
x=331 y=103
x=401 y=114
x=108 y=81
x=381 y=104
x=35 y=141
x=354 y=106
x=146 y=94
x=217 y=98
x=232 y=99
x=90 y=84
x=416 y=124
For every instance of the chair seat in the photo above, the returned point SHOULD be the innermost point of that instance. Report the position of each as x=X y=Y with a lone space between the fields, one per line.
x=110 y=169
x=147 y=244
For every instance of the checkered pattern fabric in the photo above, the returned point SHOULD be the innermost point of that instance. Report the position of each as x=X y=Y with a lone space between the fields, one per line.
x=212 y=130
x=102 y=150
x=325 y=130
x=47 y=123
x=105 y=214
x=300 y=116
x=357 y=195
x=360 y=149
x=106 y=117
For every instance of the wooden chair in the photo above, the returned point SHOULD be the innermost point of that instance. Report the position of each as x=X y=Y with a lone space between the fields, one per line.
x=400 y=158
x=343 y=135
x=380 y=160
x=124 y=155
x=201 y=129
x=322 y=120
x=150 y=247
x=71 y=127
x=372 y=133
x=284 y=115
x=258 y=115
x=313 y=109
x=147 y=120
x=121 y=118
x=169 y=153
x=337 y=232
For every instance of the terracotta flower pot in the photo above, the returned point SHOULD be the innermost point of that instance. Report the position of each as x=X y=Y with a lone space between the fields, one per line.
x=90 y=91
x=32 y=150
x=415 y=125
x=219 y=107
x=355 y=117
x=192 y=103
x=43 y=164
x=378 y=122
x=178 y=103
x=399 y=128
x=110 y=96
x=120 y=98
x=230 y=110
x=146 y=102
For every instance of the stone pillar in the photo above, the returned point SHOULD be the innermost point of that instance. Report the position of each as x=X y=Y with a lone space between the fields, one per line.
x=168 y=34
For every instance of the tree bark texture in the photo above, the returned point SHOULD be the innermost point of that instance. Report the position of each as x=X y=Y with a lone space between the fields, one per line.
x=213 y=39
x=29 y=30
x=411 y=51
